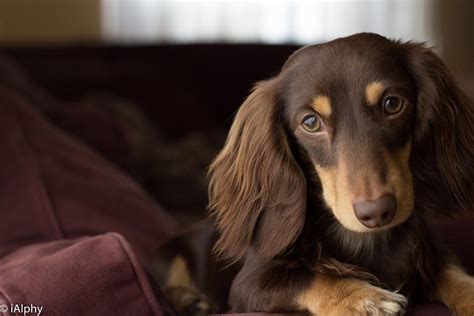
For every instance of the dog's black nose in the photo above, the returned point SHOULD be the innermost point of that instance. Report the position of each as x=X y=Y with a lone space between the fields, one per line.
x=376 y=213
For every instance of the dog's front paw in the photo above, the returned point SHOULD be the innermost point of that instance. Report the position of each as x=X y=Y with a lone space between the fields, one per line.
x=333 y=296
x=188 y=302
x=370 y=300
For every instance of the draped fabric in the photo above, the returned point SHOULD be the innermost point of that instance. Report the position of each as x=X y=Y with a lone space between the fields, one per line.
x=263 y=21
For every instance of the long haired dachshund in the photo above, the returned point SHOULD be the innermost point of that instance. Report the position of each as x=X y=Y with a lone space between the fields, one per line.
x=329 y=174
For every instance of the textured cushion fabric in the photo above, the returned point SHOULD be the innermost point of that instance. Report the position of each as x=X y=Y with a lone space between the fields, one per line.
x=54 y=187
x=55 y=196
x=421 y=310
x=89 y=276
x=93 y=126
x=430 y=309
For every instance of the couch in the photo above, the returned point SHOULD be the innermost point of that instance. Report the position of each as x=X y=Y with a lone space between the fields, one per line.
x=78 y=233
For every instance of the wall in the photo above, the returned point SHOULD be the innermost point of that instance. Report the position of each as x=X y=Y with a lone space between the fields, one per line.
x=49 y=21
x=454 y=26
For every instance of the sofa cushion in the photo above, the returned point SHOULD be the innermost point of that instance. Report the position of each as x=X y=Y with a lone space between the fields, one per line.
x=54 y=187
x=57 y=199
x=87 y=276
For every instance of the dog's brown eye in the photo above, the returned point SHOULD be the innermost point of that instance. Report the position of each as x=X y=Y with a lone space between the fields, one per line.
x=311 y=123
x=392 y=105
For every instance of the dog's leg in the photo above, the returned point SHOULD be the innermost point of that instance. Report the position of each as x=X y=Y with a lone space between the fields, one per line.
x=334 y=296
x=182 y=291
x=456 y=290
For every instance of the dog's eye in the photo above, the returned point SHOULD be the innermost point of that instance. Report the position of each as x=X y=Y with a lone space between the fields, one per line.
x=392 y=105
x=311 y=123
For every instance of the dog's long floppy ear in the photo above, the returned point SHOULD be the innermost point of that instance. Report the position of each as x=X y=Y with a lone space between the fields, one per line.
x=444 y=132
x=257 y=191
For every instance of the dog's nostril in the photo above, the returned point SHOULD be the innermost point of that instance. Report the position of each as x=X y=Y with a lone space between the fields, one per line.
x=385 y=215
x=376 y=213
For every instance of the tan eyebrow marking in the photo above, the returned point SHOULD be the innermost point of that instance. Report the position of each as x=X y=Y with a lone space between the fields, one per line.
x=373 y=92
x=322 y=105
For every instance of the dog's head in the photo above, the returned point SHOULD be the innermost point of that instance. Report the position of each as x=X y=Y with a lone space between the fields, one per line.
x=381 y=124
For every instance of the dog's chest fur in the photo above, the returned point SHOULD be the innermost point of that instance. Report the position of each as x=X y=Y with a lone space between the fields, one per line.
x=388 y=255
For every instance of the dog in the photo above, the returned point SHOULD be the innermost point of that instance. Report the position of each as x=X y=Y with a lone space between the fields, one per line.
x=330 y=173
x=186 y=272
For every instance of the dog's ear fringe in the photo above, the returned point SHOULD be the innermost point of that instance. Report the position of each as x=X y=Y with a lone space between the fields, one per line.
x=257 y=192
x=445 y=126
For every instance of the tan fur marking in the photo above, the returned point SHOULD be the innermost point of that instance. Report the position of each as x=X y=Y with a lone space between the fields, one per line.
x=456 y=290
x=400 y=181
x=179 y=274
x=373 y=92
x=181 y=290
x=332 y=296
x=338 y=194
x=322 y=105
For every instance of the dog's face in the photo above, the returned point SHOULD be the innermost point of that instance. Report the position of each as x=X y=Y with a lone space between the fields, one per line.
x=352 y=106
x=382 y=124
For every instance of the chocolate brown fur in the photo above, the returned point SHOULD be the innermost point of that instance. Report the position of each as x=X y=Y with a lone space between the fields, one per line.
x=276 y=211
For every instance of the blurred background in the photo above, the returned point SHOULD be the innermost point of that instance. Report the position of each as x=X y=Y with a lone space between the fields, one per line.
x=446 y=24
x=171 y=73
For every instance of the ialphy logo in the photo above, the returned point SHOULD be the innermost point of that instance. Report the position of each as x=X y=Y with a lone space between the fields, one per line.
x=21 y=309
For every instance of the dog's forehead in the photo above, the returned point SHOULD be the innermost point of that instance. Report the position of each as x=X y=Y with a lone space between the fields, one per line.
x=346 y=68
x=360 y=52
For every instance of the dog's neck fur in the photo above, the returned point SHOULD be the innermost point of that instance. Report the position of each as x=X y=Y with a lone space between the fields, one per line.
x=358 y=247
x=382 y=253
x=388 y=255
